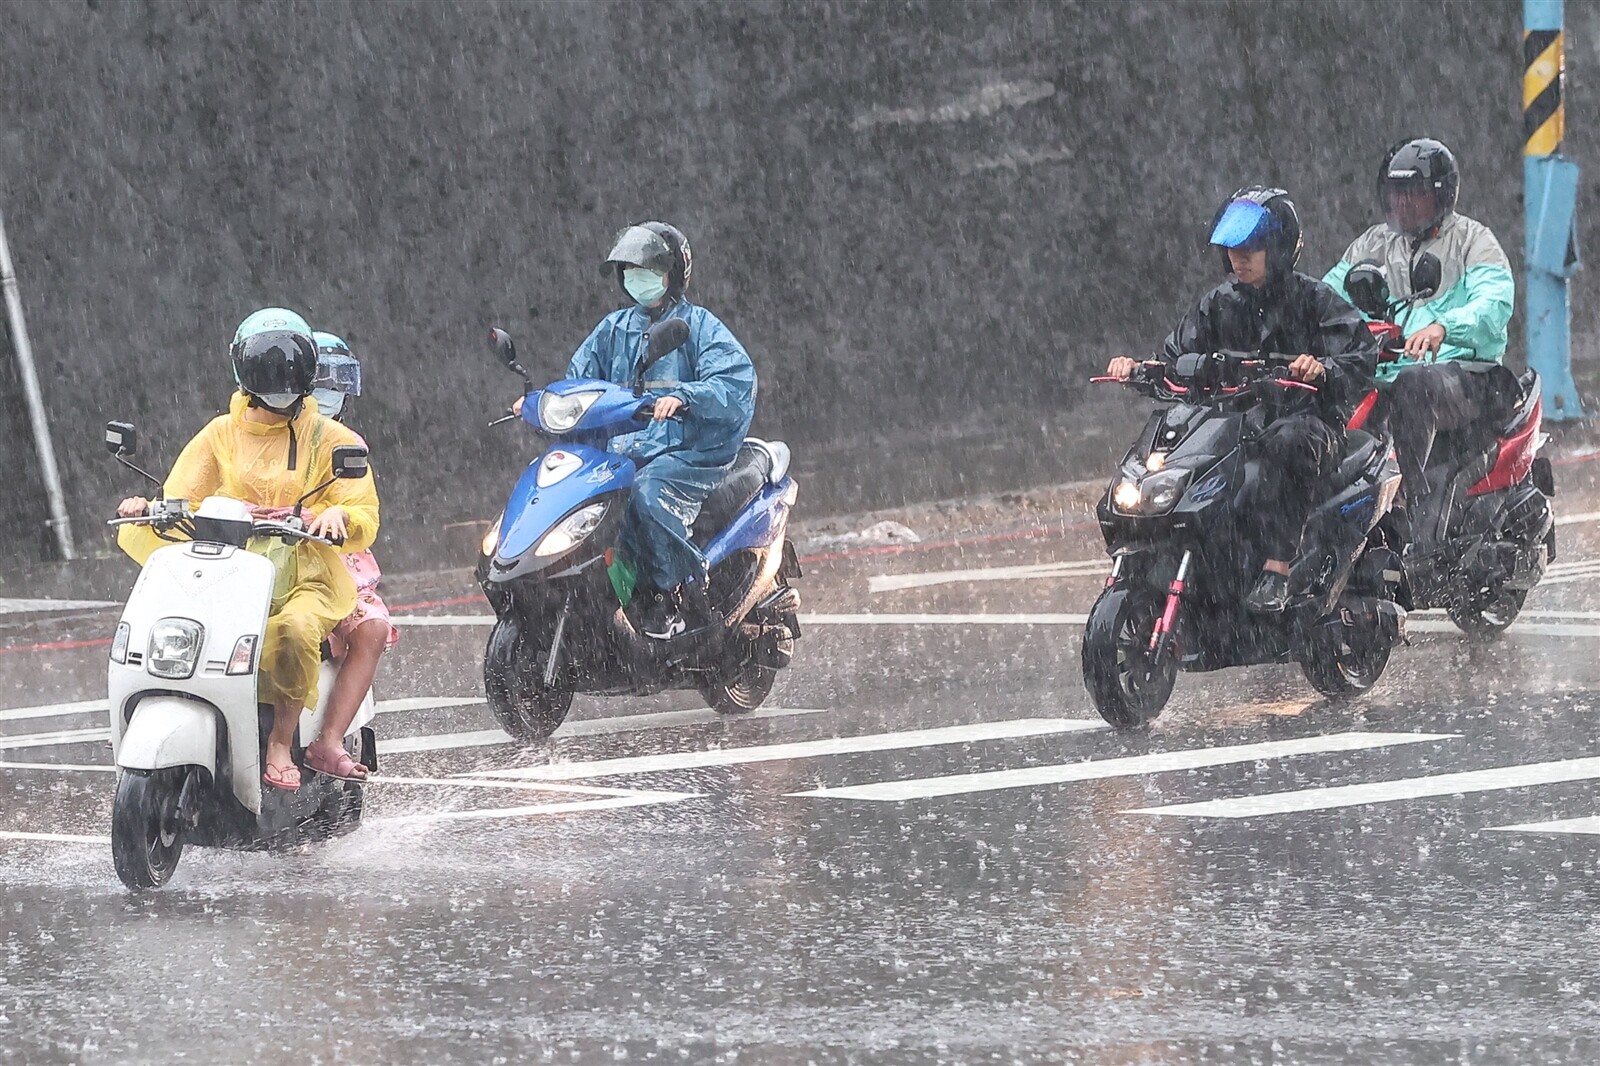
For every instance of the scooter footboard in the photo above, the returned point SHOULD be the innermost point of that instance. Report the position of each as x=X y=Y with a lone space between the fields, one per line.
x=170 y=731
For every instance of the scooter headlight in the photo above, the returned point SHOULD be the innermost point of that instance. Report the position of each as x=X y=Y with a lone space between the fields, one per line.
x=559 y=413
x=174 y=649
x=1154 y=494
x=572 y=529
x=491 y=539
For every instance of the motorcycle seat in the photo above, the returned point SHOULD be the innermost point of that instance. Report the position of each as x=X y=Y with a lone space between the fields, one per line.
x=1360 y=448
x=752 y=469
x=1525 y=407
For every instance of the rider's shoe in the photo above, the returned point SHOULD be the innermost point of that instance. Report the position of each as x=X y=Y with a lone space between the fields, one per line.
x=1271 y=593
x=662 y=619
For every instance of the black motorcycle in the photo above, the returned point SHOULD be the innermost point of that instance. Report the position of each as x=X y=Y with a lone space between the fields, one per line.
x=1177 y=520
x=1489 y=491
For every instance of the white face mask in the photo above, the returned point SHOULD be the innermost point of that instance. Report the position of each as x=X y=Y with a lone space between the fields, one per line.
x=278 y=401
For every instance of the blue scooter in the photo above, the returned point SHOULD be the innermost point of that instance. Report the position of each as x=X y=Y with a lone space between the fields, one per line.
x=553 y=569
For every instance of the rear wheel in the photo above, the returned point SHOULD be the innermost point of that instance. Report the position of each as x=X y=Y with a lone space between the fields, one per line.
x=1488 y=613
x=146 y=832
x=513 y=680
x=1128 y=684
x=1340 y=669
x=740 y=691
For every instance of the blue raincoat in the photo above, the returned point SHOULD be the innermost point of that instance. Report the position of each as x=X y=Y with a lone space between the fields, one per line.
x=681 y=459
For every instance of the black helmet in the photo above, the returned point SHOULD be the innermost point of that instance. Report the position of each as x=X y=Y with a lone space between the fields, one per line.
x=1254 y=218
x=1421 y=163
x=655 y=245
x=276 y=367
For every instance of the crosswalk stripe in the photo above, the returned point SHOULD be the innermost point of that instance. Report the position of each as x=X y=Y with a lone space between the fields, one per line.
x=805 y=749
x=1128 y=766
x=901 y=582
x=1317 y=799
x=635 y=799
x=1588 y=826
x=63 y=838
x=53 y=710
x=46 y=740
x=593 y=727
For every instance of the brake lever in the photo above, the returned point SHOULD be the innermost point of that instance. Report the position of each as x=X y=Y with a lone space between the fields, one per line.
x=509 y=416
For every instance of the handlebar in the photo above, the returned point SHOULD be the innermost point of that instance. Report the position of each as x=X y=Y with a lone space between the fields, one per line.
x=173 y=518
x=1209 y=374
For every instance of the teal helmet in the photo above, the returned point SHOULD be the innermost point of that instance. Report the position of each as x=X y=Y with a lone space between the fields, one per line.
x=338 y=374
x=274 y=358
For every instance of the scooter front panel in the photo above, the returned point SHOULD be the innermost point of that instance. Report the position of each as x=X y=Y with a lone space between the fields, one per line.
x=532 y=511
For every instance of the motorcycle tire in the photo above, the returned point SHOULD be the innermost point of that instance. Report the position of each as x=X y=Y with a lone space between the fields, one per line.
x=146 y=835
x=513 y=681
x=1339 y=670
x=1127 y=688
x=1483 y=619
x=740 y=691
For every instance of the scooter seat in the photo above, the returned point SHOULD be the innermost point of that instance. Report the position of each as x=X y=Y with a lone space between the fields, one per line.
x=1360 y=448
x=751 y=470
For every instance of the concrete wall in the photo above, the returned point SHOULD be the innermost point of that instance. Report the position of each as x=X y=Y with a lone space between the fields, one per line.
x=922 y=218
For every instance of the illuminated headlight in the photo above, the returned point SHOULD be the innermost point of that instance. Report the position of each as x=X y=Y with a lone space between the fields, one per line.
x=558 y=414
x=119 y=643
x=1154 y=494
x=1155 y=462
x=175 y=645
x=491 y=539
x=571 y=529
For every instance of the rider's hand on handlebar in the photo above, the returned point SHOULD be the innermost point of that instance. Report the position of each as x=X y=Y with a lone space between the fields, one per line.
x=1424 y=344
x=516 y=408
x=133 y=507
x=666 y=407
x=330 y=524
x=1306 y=368
x=1121 y=368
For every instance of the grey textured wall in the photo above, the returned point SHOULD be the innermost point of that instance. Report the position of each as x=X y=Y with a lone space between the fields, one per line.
x=915 y=214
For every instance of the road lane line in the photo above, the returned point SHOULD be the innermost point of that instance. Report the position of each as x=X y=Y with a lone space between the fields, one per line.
x=60 y=767
x=1319 y=799
x=63 y=838
x=53 y=710
x=1582 y=516
x=805 y=749
x=478 y=782
x=1517 y=629
x=901 y=582
x=1588 y=826
x=1129 y=766
x=593 y=727
x=943 y=619
x=635 y=799
x=47 y=740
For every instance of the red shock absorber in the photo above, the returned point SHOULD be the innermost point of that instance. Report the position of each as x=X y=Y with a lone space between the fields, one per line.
x=1162 y=633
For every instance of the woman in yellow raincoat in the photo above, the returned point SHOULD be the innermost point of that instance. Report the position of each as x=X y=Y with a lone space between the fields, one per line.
x=270 y=449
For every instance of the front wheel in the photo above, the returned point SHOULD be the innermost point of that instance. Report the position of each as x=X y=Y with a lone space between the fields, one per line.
x=1341 y=669
x=740 y=691
x=1487 y=614
x=1127 y=681
x=146 y=831
x=513 y=681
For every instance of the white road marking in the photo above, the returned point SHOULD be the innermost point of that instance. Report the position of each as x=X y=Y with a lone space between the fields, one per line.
x=63 y=838
x=900 y=582
x=427 y=703
x=60 y=767
x=1129 y=766
x=53 y=710
x=593 y=727
x=1582 y=516
x=46 y=740
x=633 y=799
x=1517 y=629
x=943 y=619
x=475 y=782
x=1318 y=799
x=805 y=749
x=1589 y=826
x=16 y=606
x=443 y=620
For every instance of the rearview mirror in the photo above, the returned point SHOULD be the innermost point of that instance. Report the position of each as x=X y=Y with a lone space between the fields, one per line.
x=349 y=461
x=505 y=351
x=1368 y=289
x=1426 y=275
x=665 y=337
x=121 y=438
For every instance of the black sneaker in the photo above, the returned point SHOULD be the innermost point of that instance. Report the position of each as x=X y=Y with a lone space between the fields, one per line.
x=662 y=619
x=1271 y=593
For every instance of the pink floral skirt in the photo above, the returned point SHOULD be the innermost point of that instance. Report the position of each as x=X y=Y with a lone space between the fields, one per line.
x=369 y=607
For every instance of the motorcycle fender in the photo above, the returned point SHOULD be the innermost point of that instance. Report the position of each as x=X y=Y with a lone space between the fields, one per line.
x=168 y=731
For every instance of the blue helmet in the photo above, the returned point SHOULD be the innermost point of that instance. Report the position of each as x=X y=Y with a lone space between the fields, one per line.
x=1257 y=218
x=338 y=374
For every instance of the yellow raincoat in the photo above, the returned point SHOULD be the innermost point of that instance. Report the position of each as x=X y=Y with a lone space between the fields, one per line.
x=249 y=461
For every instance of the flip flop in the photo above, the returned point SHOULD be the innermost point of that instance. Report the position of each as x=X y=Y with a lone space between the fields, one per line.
x=344 y=767
x=285 y=777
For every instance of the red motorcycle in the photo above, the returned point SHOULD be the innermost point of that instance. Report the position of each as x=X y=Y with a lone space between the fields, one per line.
x=1489 y=492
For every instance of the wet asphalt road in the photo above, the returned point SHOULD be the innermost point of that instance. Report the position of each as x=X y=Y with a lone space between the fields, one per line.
x=866 y=873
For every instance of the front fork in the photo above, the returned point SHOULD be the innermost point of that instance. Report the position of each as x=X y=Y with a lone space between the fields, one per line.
x=1161 y=634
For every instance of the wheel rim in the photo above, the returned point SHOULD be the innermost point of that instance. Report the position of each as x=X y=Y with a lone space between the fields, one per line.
x=1359 y=669
x=1140 y=680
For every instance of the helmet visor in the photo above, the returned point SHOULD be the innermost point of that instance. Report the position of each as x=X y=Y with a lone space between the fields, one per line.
x=1244 y=224
x=637 y=246
x=338 y=373
x=275 y=362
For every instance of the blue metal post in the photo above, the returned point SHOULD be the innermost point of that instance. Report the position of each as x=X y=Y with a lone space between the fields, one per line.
x=1550 y=187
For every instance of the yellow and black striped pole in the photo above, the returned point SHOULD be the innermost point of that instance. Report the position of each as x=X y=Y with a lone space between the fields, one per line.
x=1543 y=115
x=1550 y=203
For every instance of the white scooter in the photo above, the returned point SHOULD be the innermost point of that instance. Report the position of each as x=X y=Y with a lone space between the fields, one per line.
x=187 y=733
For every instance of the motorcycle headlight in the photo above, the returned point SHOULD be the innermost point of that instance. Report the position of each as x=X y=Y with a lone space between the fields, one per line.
x=558 y=414
x=174 y=649
x=572 y=529
x=491 y=539
x=1159 y=493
